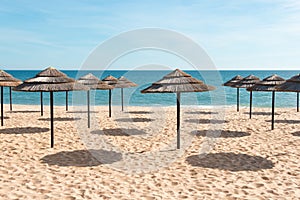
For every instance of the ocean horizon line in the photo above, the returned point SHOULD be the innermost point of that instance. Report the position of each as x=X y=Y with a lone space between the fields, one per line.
x=254 y=70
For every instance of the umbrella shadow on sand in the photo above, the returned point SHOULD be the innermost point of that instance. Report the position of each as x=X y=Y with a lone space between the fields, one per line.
x=261 y=113
x=296 y=133
x=220 y=133
x=82 y=111
x=139 y=112
x=24 y=111
x=201 y=112
x=82 y=158
x=23 y=130
x=60 y=119
x=230 y=161
x=206 y=121
x=134 y=119
x=119 y=132
x=289 y=121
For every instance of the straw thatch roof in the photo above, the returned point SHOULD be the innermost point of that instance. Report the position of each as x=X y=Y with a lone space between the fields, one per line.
x=8 y=80
x=124 y=83
x=291 y=85
x=93 y=82
x=233 y=81
x=247 y=82
x=110 y=80
x=89 y=80
x=178 y=81
x=48 y=80
x=267 y=84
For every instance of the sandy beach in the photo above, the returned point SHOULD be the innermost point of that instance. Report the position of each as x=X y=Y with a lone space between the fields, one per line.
x=132 y=155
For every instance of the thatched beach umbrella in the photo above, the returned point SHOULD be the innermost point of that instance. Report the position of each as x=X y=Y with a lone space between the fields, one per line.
x=247 y=82
x=178 y=82
x=231 y=83
x=110 y=80
x=50 y=80
x=7 y=80
x=268 y=85
x=291 y=85
x=124 y=83
x=93 y=83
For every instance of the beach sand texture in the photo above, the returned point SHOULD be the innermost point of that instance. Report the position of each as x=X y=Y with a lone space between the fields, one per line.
x=246 y=161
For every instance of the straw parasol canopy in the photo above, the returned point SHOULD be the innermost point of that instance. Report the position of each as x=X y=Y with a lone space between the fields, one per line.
x=112 y=81
x=50 y=80
x=291 y=85
x=178 y=82
x=268 y=85
x=247 y=82
x=231 y=83
x=7 y=80
x=93 y=83
x=124 y=83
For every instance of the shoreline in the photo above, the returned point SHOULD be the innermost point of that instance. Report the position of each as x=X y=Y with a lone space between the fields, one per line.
x=159 y=106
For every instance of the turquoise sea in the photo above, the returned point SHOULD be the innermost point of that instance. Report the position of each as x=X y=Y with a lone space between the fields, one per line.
x=132 y=96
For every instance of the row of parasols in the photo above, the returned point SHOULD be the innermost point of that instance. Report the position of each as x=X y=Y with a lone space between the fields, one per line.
x=52 y=80
x=273 y=83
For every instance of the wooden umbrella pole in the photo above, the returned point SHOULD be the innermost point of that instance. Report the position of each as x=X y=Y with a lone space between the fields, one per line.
x=238 y=99
x=109 y=103
x=273 y=109
x=42 y=107
x=178 y=120
x=122 y=99
x=67 y=98
x=2 y=117
x=10 y=98
x=88 y=108
x=51 y=116
x=297 y=101
x=250 y=113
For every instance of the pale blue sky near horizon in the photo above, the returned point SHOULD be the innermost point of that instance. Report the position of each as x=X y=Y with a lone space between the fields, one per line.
x=236 y=34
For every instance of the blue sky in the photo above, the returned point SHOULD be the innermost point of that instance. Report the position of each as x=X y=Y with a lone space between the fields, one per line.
x=236 y=34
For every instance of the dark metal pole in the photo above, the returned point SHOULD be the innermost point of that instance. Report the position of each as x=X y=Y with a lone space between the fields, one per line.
x=42 y=107
x=238 y=99
x=10 y=98
x=2 y=117
x=297 y=101
x=67 y=97
x=273 y=109
x=178 y=120
x=250 y=104
x=109 y=103
x=51 y=115
x=88 y=108
x=122 y=99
